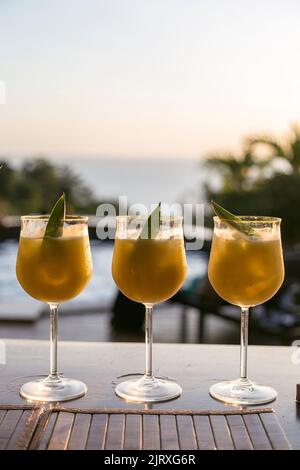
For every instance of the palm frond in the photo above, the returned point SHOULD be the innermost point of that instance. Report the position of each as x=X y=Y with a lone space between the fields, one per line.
x=278 y=150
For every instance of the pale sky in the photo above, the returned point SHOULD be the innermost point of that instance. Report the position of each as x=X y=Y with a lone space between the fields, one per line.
x=161 y=78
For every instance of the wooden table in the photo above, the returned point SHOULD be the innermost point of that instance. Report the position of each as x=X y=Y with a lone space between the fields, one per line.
x=195 y=367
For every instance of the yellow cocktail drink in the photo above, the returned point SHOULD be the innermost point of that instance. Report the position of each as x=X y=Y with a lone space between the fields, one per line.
x=54 y=265
x=150 y=270
x=149 y=266
x=54 y=269
x=245 y=271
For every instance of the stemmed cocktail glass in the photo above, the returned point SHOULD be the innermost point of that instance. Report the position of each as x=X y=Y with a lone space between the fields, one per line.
x=149 y=271
x=246 y=269
x=54 y=270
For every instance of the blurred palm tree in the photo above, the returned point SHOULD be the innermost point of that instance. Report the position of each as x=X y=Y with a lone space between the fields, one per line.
x=257 y=182
x=237 y=172
x=290 y=151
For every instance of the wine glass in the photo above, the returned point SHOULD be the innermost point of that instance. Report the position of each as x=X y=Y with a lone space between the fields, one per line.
x=53 y=270
x=245 y=270
x=149 y=271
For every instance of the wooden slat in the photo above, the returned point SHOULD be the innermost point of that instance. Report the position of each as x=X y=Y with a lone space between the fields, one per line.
x=30 y=429
x=168 y=433
x=186 y=433
x=256 y=432
x=274 y=432
x=97 y=433
x=8 y=426
x=204 y=435
x=239 y=434
x=22 y=406
x=222 y=412
x=61 y=432
x=133 y=432
x=40 y=429
x=80 y=432
x=24 y=430
x=2 y=414
x=151 y=434
x=43 y=434
x=221 y=433
x=115 y=432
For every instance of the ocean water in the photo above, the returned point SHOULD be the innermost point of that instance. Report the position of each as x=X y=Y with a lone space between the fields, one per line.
x=143 y=180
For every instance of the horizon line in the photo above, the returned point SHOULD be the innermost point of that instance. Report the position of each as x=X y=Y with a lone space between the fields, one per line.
x=49 y=155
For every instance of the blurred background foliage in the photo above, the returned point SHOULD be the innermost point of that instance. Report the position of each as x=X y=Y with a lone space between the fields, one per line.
x=33 y=187
x=263 y=180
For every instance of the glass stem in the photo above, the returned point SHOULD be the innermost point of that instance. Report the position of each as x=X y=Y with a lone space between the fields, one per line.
x=148 y=339
x=53 y=342
x=244 y=342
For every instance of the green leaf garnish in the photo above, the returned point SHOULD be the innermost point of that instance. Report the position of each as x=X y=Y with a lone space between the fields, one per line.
x=152 y=224
x=55 y=225
x=233 y=220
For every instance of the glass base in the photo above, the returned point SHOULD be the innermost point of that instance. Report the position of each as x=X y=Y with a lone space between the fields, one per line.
x=49 y=389
x=242 y=392
x=148 y=390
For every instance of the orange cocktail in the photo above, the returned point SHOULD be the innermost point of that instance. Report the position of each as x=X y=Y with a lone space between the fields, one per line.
x=243 y=271
x=54 y=269
x=149 y=271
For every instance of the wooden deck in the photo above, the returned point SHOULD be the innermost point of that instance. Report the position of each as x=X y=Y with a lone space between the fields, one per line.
x=55 y=428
